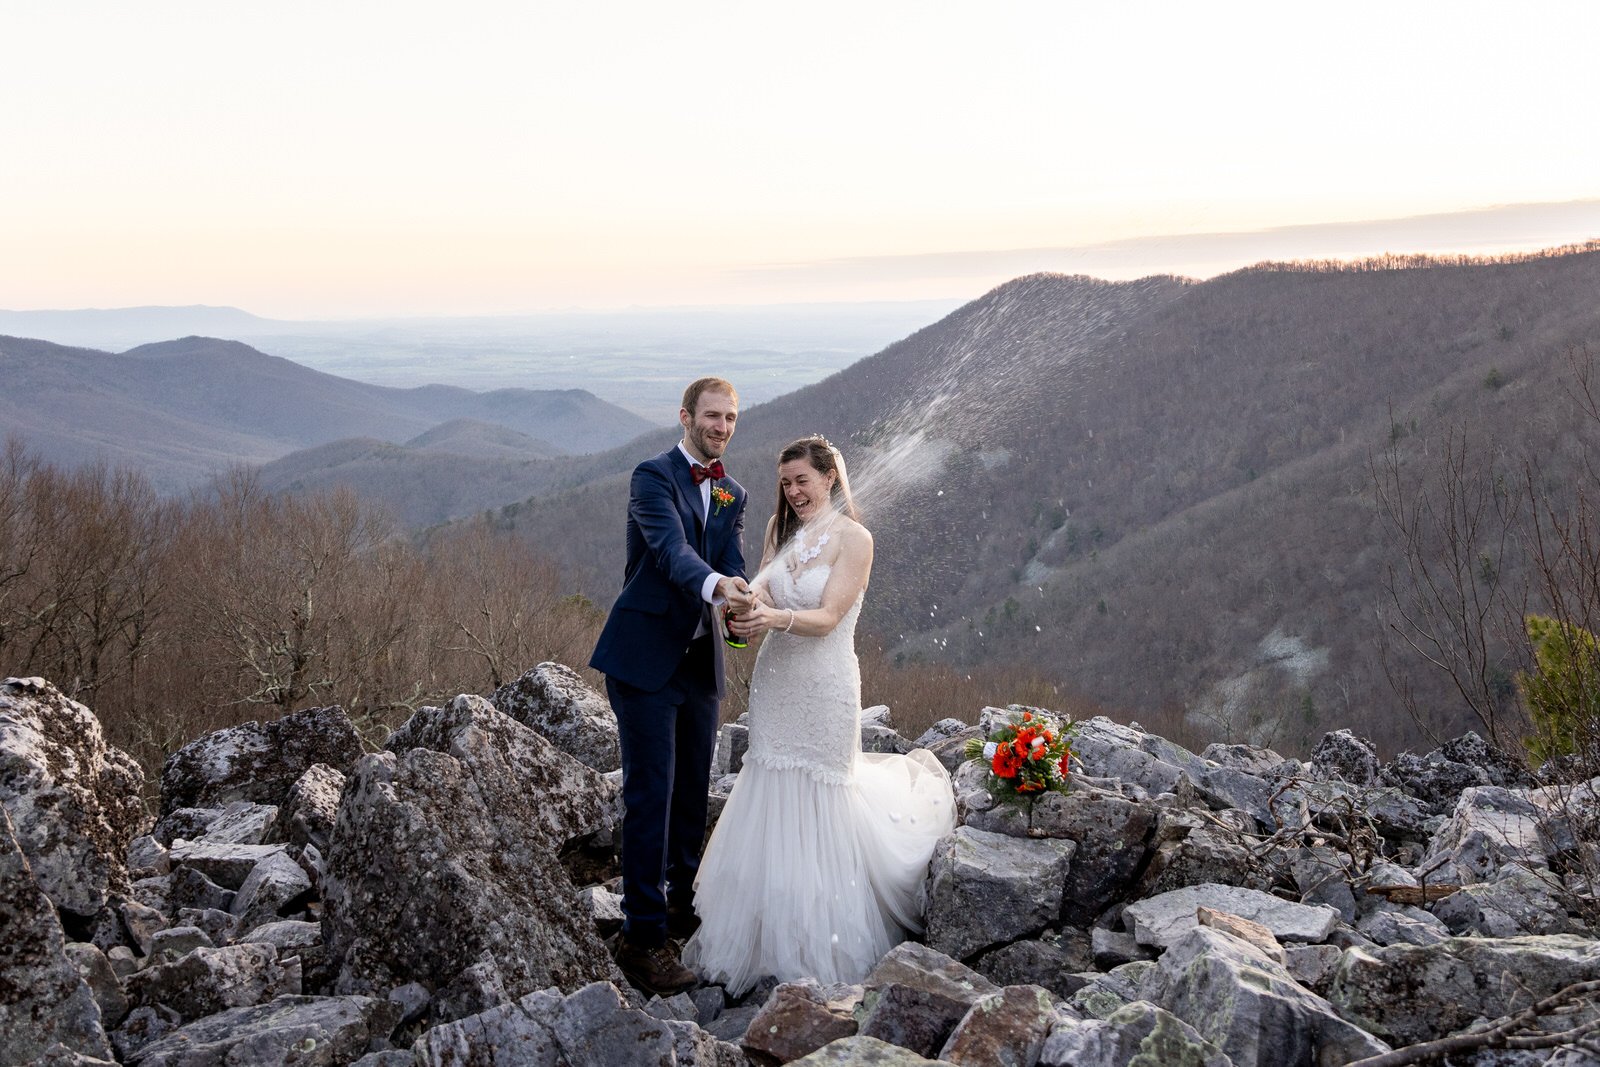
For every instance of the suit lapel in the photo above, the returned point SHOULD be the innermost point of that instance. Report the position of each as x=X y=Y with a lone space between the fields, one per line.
x=690 y=494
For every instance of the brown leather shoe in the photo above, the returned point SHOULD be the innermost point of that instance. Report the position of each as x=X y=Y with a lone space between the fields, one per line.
x=682 y=922
x=655 y=970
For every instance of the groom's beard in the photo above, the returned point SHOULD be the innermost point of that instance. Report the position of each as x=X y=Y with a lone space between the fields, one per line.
x=705 y=446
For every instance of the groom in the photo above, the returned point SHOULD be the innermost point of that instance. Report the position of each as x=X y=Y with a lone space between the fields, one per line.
x=661 y=653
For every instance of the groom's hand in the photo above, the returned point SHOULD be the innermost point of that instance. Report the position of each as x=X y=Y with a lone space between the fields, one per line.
x=736 y=591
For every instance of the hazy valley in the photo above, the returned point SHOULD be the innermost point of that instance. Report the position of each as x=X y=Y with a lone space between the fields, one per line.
x=1155 y=496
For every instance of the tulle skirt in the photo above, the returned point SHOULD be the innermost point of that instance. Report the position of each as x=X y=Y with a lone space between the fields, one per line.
x=809 y=877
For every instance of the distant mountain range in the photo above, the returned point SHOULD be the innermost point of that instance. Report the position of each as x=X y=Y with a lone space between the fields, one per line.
x=1159 y=492
x=182 y=410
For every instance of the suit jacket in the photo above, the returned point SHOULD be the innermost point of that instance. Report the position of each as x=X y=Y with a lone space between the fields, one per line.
x=671 y=551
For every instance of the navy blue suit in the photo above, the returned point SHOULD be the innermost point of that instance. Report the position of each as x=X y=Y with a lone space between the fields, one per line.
x=664 y=684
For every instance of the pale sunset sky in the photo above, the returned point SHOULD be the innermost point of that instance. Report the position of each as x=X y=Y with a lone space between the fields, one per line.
x=308 y=160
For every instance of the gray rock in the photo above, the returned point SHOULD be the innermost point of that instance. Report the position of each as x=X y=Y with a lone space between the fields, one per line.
x=311 y=806
x=43 y=998
x=862 y=1051
x=1166 y=919
x=526 y=1025
x=1402 y=924
x=1313 y=966
x=555 y=701
x=1004 y=1029
x=142 y=923
x=258 y=761
x=1112 y=948
x=154 y=892
x=1252 y=759
x=1518 y=902
x=1105 y=993
x=915 y=997
x=143 y=1026
x=986 y=889
x=477 y=988
x=147 y=856
x=1251 y=1007
x=604 y=907
x=1412 y=993
x=122 y=960
x=225 y=863
x=313 y=1031
x=243 y=823
x=883 y=739
x=218 y=924
x=1343 y=755
x=950 y=750
x=1434 y=779
x=733 y=741
x=1134 y=1035
x=594 y=1024
x=943 y=730
x=176 y=941
x=730 y=1025
x=709 y=1003
x=389 y=1057
x=679 y=1007
x=289 y=936
x=410 y=1000
x=1503 y=768
x=1321 y=877
x=188 y=888
x=72 y=799
x=211 y=980
x=1053 y=963
x=796 y=1020
x=1108 y=750
x=1490 y=829
x=184 y=824
x=1112 y=834
x=448 y=850
x=275 y=887
x=102 y=981
x=1205 y=855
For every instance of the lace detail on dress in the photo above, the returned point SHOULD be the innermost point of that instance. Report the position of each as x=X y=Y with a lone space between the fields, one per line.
x=805 y=692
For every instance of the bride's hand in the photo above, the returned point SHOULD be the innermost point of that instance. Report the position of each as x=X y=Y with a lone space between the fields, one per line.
x=758 y=620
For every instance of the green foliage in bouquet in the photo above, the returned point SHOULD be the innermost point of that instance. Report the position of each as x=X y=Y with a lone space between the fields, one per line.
x=1028 y=756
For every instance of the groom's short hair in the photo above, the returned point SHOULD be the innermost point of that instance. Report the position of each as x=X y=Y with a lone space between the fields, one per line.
x=691 y=395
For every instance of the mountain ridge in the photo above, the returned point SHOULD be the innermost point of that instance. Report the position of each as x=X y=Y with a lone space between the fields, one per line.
x=183 y=410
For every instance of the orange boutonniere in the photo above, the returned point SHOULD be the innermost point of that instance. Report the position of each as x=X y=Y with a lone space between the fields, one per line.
x=721 y=498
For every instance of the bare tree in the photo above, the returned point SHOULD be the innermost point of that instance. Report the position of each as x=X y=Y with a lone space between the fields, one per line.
x=1450 y=598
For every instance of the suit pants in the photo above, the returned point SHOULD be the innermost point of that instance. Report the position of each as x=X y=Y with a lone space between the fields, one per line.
x=667 y=738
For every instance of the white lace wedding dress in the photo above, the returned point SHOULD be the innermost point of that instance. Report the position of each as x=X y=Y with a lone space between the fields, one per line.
x=816 y=866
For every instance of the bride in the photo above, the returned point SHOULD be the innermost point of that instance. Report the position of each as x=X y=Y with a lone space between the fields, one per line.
x=817 y=863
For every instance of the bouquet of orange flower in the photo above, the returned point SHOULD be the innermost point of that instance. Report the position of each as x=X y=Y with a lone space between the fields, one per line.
x=1027 y=756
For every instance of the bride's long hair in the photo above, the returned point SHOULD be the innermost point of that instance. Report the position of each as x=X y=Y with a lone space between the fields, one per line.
x=825 y=459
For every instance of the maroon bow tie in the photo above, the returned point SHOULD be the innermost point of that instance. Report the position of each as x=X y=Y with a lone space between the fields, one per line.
x=700 y=474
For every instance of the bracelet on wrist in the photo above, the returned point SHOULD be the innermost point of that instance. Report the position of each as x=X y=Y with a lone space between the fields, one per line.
x=790 y=624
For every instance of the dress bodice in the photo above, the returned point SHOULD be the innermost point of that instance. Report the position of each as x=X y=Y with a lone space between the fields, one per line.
x=805 y=692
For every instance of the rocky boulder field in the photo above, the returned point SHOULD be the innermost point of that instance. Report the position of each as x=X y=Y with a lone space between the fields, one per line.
x=449 y=900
